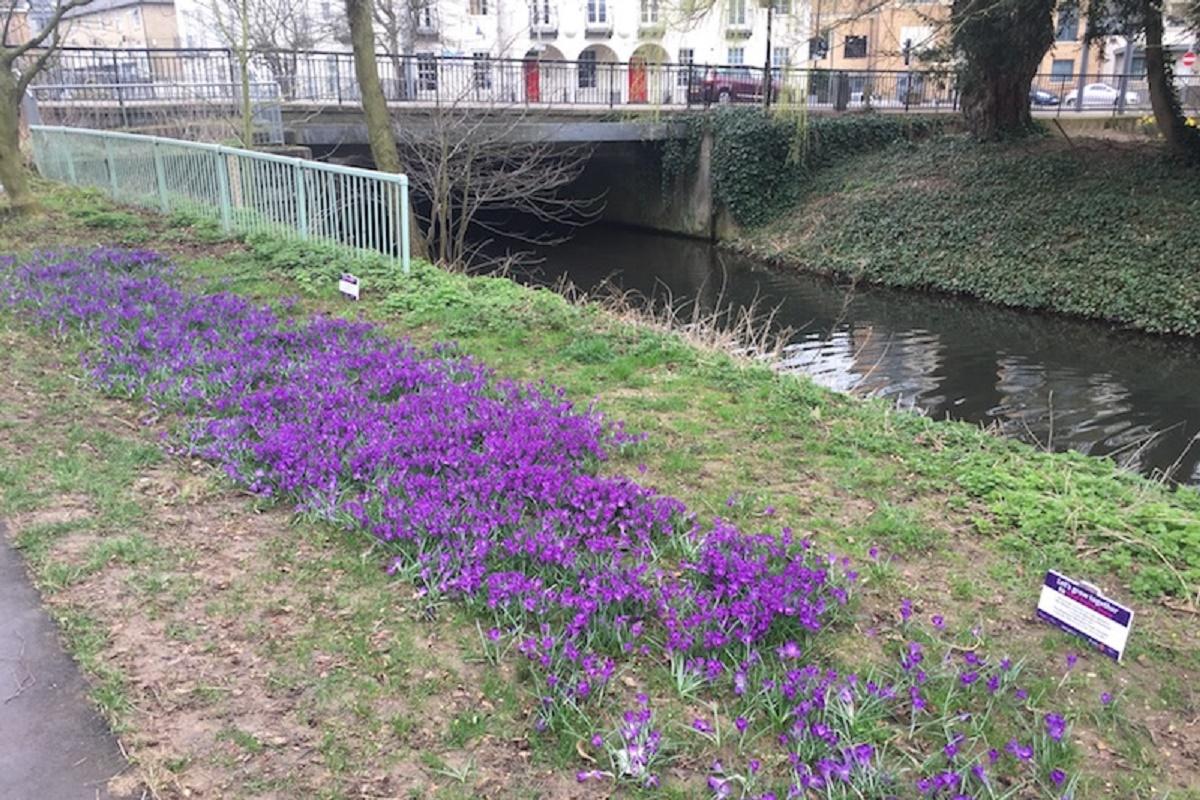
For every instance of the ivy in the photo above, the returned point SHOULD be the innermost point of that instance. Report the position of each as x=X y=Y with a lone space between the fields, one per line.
x=1087 y=229
x=761 y=161
x=680 y=155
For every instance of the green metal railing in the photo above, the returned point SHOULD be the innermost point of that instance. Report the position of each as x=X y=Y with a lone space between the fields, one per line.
x=247 y=192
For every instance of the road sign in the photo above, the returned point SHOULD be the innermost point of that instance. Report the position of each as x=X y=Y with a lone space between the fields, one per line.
x=1189 y=58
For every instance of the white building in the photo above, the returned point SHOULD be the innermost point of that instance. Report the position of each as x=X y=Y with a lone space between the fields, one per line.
x=731 y=32
x=512 y=50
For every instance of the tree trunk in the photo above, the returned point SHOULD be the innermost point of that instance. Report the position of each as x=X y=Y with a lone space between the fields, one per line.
x=13 y=174
x=1168 y=114
x=380 y=136
x=1002 y=43
x=374 y=104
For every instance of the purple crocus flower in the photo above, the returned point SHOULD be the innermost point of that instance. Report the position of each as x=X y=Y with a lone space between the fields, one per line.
x=1056 y=726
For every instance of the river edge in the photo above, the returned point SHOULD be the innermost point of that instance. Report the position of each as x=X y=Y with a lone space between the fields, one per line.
x=782 y=262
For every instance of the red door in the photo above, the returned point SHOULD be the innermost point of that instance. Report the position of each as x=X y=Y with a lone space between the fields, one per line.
x=533 y=81
x=637 y=80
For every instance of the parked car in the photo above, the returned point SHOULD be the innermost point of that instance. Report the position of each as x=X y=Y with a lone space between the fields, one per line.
x=1098 y=94
x=1042 y=97
x=910 y=89
x=731 y=85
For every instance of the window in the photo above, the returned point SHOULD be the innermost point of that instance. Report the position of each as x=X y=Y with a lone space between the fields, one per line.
x=597 y=14
x=1062 y=69
x=649 y=12
x=737 y=13
x=425 y=17
x=479 y=8
x=780 y=56
x=482 y=69
x=782 y=6
x=687 y=58
x=918 y=37
x=427 y=77
x=541 y=12
x=587 y=69
x=737 y=56
x=326 y=10
x=856 y=47
x=1068 y=25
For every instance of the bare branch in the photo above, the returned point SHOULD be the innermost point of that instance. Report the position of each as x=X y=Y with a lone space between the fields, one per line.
x=10 y=54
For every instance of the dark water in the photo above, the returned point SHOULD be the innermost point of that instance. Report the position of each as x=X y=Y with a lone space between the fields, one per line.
x=1068 y=384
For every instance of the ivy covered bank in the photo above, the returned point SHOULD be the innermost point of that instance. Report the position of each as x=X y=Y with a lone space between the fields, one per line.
x=1096 y=228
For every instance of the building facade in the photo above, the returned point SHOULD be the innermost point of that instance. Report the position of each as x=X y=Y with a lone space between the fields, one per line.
x=724 y=32
x=122 y=23
x=868 y=35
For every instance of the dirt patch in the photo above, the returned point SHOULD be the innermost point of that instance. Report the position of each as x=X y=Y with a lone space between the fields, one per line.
x=61 y=510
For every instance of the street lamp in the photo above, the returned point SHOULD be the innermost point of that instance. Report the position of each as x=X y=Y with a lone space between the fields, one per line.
x=767 y=82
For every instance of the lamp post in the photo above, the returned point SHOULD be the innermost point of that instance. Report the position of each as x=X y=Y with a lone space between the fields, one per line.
x=767 y=82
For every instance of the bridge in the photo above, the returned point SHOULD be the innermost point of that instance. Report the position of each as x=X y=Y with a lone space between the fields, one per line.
x=312 y=100
x=312 y=97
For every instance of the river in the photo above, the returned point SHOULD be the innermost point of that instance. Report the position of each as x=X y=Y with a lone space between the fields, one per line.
x=1050 y=381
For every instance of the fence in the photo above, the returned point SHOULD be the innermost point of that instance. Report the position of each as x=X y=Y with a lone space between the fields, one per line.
x=245 y=191
x=328 y=78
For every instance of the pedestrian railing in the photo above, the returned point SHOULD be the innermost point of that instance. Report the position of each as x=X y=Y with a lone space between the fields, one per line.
x=153 y=104
x=425 y=79
x=244 y=191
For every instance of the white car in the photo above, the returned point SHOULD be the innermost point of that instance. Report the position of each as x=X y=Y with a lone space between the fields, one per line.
x=1099 y=94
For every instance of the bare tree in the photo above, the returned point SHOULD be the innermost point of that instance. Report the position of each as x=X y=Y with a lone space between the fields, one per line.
x=278 y=29
x=476 y=168
x=231 y=20
x=20 y=62
x=271 y=31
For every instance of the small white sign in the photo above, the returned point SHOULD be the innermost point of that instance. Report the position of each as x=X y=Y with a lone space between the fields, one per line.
x=1083 y=610
x=348 y=285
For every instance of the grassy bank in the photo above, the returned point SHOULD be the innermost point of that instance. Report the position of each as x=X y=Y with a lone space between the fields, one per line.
x=1091 y=228
x=246 y=653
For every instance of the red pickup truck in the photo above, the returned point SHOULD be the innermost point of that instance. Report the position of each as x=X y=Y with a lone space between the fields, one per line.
x=729 y=85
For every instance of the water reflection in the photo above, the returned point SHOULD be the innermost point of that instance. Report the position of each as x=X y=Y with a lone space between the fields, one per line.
x=1046 y=380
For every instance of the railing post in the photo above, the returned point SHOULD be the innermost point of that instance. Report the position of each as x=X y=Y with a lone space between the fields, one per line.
x=405 y=250
x=223 y=190
x=120 y=94
x=160 y=176
x=301 y=201
x=111 y=163
x=70 y=164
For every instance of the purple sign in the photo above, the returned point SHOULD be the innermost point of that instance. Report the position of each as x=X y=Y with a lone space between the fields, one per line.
x=1083 y=611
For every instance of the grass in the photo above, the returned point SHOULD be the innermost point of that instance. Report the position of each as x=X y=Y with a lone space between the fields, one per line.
x=288 y=631
x=1094 y=229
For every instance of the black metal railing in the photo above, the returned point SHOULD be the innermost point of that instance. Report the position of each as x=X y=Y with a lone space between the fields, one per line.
x=140 y=76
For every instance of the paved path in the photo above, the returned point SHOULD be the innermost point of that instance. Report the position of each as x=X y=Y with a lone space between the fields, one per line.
x=53 y=744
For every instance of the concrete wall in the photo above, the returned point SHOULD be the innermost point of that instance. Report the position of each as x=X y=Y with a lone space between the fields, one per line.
x=629 y=176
